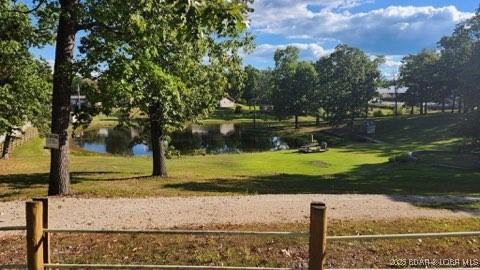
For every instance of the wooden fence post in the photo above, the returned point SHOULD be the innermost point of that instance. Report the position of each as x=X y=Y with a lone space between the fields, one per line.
x=34 y=213
x=46 y=235
x=318 y=236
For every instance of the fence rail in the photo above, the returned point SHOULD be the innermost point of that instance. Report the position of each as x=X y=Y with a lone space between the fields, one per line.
x=166 y=267
x=13 y=228
x=38 y=240
x=182 y=232
x=402 y=236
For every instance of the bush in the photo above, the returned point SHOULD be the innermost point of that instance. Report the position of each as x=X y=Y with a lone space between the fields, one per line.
x=378 y=114
x=172 y=152
x=238 y=109
x=469 y=129
x=402 y=158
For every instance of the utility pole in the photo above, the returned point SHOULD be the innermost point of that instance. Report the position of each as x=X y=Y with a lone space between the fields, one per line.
x=396 y=93
x=79 y=104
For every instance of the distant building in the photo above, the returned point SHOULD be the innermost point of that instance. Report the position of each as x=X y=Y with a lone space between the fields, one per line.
x=389 y=92
x=226 y=102
x=266 y=108
x=77 y=101
x=227 y=129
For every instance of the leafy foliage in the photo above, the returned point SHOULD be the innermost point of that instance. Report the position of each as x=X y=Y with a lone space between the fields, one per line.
x=293 y=81
x=168 y=68
x=419 y=73
x=25 y=82
x=348 y=77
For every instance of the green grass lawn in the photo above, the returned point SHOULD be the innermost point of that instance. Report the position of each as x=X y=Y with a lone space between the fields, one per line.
x=346 y=168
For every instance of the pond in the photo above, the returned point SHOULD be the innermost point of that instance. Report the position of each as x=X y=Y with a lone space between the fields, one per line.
x=196 y=139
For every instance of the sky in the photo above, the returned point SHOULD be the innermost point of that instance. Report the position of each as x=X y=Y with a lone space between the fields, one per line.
x=393 y=28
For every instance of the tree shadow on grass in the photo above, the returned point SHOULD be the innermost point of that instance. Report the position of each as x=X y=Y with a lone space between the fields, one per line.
x=398 y=181
x=409 y=133
x=15 y=183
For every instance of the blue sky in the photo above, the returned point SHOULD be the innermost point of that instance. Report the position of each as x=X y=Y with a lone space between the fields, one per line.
x=393 y=28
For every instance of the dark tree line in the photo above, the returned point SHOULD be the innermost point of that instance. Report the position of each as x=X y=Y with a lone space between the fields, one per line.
x=449 y=76
x=336 y=88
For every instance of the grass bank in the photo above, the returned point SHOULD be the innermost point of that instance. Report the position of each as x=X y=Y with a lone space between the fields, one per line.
x=349 y=167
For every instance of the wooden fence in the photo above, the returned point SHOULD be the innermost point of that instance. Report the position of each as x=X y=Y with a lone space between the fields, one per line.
x=38 y=240
x=27 y=135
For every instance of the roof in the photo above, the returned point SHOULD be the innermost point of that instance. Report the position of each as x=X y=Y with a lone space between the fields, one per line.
x=391 y=90
x=229 y=98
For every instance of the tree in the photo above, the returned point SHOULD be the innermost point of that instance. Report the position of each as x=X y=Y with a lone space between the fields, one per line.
x=25 y=96
x=349 y=78
x=265 y=87
x=115 y=21
x=458 y=54
x=168 y=76
x=419 y=73
x=251 y=89
x=304 y=85
x=25 y=85
x=293 y=80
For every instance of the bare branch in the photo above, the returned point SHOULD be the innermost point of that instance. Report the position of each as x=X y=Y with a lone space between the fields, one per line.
x=31 y=10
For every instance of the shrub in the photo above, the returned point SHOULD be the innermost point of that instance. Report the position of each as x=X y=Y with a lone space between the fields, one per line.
x=402 y=158
x=172 y=152
x=378 y=114
x=238 y=109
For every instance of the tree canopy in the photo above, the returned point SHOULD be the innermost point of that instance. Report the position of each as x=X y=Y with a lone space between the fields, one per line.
x=25 y=82
x=349 y=78
x=155 y=67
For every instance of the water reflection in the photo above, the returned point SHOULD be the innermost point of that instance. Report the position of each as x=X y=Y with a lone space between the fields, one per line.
x=209 y=139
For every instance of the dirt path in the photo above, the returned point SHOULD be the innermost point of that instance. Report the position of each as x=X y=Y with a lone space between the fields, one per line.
x=170 y=212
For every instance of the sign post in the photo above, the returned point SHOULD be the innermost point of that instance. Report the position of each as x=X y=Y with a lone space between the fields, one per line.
x=52 y=141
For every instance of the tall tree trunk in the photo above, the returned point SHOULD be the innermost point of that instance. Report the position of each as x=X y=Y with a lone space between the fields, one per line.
x=421 y=107
x=396 y=102
x=366 y=111
x=426 y=108
x=352 y=119
x=296 y=121
x=460 y=105
x=412 y=110
x=317 y=120
x=6 y=146
x=254 y=116
x=443 y=105
x=62 y=83
x=453 y=103
x=158 y=148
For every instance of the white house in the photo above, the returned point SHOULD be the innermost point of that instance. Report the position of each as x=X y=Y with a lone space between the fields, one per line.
x=226 y=102
x=389 y=93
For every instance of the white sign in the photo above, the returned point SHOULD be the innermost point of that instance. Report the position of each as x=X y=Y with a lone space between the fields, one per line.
x=370 y=128
x=52 y=141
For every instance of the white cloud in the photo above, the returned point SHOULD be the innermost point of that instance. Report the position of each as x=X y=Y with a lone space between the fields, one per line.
x=272 y=11
x=391 y=30
x=263 y=54
x=393 y=61
x=51 y=62
x=391 y=66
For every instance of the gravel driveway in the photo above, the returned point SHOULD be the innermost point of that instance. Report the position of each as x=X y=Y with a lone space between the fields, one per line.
x=170 y=212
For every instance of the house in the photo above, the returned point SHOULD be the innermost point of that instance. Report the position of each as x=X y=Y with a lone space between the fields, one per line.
x=388 y=93
x=226 y=102
x=266 y=108
x=77 y=101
